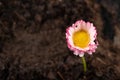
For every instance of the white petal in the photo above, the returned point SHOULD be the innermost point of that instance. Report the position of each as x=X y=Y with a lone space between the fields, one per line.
x=90 y=53
x=81 y=54
x=76 y=53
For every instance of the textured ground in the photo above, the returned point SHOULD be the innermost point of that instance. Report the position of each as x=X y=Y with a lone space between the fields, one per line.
x=33 y=45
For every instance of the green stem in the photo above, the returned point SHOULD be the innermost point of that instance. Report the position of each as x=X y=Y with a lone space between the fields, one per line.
x=84 y=64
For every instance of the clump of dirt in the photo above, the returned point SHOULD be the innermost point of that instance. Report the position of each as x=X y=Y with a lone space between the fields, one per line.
x=33 y=44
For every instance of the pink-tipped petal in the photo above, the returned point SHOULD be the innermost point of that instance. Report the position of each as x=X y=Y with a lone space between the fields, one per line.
x=81 y=54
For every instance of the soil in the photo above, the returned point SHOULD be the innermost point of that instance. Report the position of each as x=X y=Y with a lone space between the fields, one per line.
x=33 y=44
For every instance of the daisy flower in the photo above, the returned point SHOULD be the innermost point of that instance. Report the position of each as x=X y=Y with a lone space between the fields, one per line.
x=81 y=38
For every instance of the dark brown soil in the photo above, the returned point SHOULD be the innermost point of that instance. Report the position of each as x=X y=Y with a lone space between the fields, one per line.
x=33 y=44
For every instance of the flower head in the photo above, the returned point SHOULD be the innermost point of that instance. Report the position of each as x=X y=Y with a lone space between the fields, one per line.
x=81 y=38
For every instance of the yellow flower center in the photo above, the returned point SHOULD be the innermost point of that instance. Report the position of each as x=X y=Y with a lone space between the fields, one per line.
x=81 y=38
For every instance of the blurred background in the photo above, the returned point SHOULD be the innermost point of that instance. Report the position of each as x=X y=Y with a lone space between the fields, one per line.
x=33 y=44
